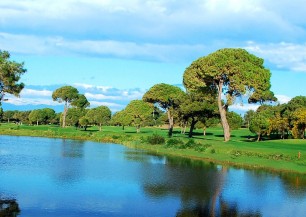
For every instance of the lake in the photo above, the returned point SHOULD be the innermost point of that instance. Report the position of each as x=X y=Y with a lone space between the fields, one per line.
x=55 y=177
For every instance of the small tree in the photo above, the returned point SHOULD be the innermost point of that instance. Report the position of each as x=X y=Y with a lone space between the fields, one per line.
x=248 y=117
x=8 y=115
x=139 y=113
x=36 y=116
x=84 y=122
x=100 y=115
x=195 y=107
x=235 y=120
x=259 y=125
x=22 y=117
x=205 y=123
x=74 y=115
x=299 y=117
x=121 y=118
x=166 y=97
x=279 y=124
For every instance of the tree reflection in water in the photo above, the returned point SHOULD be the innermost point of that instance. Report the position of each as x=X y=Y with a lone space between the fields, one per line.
x=9 y=208
x=226 y=210
x=199 y=189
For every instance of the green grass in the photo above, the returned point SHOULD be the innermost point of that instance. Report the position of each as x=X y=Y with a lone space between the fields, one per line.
x=241 y=151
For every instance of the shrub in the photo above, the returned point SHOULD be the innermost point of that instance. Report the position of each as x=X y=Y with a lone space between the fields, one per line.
x=115 y=136
x=201 y=147
x=174 y=143
x=190 y=144
x=155 y=139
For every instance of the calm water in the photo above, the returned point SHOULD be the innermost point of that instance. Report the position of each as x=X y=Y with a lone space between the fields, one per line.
x=53 y=177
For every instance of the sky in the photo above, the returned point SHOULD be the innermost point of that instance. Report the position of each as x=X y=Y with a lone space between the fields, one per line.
x=114 y=51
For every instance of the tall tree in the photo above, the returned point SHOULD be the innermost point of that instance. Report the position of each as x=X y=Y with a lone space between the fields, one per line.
x=10 y=73
x=167 y=97
x=233 y=73
x=100 y=115
x=68 y=95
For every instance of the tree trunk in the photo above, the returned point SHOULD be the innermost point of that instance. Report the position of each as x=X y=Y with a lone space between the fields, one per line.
x=138 y=129
x=170 y=119
x=258 y=137
x=122 y=127
x=204 y=131
x=222 y=111
x=193 y=123
x=184 y=125
x=100 y=127
x=36 y=122
x=64 y=114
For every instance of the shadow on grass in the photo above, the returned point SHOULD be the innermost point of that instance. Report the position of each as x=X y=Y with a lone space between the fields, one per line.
x=201 y=134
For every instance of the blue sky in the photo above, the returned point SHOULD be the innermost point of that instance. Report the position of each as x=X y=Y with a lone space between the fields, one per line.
x=113 y=51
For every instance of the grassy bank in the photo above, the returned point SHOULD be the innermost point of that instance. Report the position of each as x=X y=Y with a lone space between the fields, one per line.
x=242 y=150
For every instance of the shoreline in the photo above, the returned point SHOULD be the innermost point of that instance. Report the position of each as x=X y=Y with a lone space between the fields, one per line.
x=225 y=159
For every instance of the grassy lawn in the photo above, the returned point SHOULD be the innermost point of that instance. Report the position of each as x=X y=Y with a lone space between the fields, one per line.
x=242 y=150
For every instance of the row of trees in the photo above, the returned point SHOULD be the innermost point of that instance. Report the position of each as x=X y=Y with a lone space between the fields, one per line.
x=281 y=120
x=212 y=83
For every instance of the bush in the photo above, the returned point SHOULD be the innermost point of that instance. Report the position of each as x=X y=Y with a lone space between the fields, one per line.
x=155 y=139
x=201 y=147
x=174 y=143
x=190 y=144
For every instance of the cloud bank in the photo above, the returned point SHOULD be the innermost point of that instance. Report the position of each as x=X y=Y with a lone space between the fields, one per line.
x=159 y=30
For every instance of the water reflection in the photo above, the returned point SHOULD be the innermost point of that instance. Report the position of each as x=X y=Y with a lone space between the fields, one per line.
x=294 y=184
x=226 y=210
x=73 y=148
x=9 y=208
x=70 y=167
x=75 y=178
x=199 y=189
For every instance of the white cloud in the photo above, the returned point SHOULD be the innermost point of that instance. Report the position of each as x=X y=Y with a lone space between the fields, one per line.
x=104 y=88
x=85 y=86
x=283 y=99
x=283 y=55
x=121 y=49
x=91 y=96
x=243 y=108
x=32 y=92
x=115 y=99
x=109 y=104
x=30 y=101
